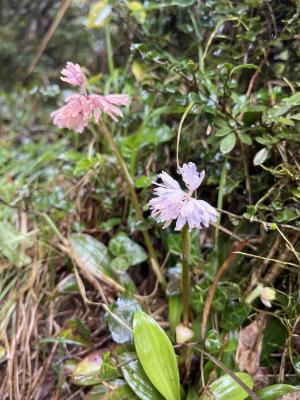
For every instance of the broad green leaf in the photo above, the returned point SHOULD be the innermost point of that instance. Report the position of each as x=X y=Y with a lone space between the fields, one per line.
x=245 y=138
x=91 y=254
x=137 y=379
x=225 y=387
x=274 y=392
x=261 y=156
x=156 y=354
x=223 y=131
x=293 y=100
x=87 y=371
x=128 y=252
x=99 y=14
x=124 y=309
x=227 y=143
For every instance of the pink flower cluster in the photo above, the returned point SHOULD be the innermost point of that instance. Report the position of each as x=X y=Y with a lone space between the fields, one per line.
x=80 y=108
x=172 y=203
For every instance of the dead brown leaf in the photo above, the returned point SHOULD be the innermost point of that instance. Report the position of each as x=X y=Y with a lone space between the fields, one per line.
x=250 y=344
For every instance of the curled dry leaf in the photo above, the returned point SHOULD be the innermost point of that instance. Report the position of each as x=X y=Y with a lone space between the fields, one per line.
x=250 y=345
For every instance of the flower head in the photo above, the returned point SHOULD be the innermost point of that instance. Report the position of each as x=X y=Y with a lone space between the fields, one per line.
x=75 y=114
x=172 y=203
x=80 y=108
x=73 y=74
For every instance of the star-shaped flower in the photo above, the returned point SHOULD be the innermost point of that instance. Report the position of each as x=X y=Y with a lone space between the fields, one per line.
x=172 y=203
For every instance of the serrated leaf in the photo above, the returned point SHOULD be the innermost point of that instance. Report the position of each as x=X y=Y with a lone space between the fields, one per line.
x=227 y=143
x=225 y=387
x=261 y=156
x=137 y=379
x=156 y=354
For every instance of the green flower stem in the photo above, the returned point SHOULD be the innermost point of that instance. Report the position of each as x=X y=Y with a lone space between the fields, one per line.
x=109 y=51
x=185 y=276
x=134 y=199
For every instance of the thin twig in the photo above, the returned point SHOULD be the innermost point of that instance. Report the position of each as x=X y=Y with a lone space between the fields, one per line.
x=65 y=5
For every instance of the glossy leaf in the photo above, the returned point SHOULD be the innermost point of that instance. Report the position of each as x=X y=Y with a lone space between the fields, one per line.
x=261 y=156
x=87 y=371
x=225 y=387
x=124 y=309
x=274 y=392
x=91 y=254
x=127 y=252
x=108 y=368
x=137 y=379
x=156 y=354
x=227 y=143
x=213 y=342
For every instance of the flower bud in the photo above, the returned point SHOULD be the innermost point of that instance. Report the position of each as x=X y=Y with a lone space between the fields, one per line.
x=267 y=296
x=183 y=334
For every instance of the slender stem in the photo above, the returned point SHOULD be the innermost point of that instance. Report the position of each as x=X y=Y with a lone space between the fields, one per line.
x=185 y=114
x=153 y=259
x=109 y=52
x=185 y=277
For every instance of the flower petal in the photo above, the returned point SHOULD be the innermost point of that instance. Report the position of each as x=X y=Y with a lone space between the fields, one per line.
x=191 y=176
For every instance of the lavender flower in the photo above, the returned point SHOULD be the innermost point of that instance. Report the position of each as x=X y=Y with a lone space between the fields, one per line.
x=172 y=203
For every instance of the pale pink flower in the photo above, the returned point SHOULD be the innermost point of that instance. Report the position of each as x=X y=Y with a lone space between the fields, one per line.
x=80 y=108
x=73 y=74
x=75 y=114
x=108 y=103
x=172 y=203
